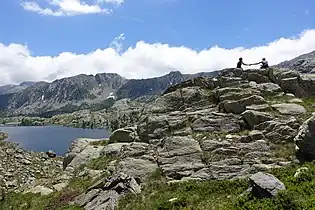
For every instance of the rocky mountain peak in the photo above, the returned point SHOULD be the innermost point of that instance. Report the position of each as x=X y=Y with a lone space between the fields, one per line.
x=304 y=63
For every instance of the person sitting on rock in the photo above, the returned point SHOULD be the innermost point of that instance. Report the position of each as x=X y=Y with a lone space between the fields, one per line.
x=240 y=63
x=264 y=64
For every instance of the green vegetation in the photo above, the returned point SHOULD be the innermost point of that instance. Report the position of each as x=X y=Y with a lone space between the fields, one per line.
x=100 y=163
x=100 y=143
x=309 y=105
x=286 y=151
x=57 y=200
x=32 y=122
x=54 y=201
x=225 y=195
x=3 y=135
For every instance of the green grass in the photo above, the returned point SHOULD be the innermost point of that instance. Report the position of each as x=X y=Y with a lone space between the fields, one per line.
x=54 y=201
x=286 y=151
x=197 y=195
x=309 y=105
x=100 y=163
x=225 y=195
x=189 y=195
x=100 y=143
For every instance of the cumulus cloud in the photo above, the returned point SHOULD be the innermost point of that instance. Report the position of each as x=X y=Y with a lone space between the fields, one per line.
x=69 y=7
x=144 y=60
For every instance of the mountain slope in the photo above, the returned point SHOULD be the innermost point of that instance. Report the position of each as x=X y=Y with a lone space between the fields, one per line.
x=304 y=63
x=153 y=86
x=85 y=91
x=45 y=97
x=7 y=89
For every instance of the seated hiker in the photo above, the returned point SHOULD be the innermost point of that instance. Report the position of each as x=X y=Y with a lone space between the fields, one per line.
x=240 y=63
x=264 y=64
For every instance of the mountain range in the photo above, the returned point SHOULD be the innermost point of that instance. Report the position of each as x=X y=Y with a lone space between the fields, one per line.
x=83 y=91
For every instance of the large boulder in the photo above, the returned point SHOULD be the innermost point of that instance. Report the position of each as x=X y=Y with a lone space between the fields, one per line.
x=239 y=106
x=308 y=84
x=265 y=185
x=155 y=126
x=257 y=77
x=81 y=152
x=204 y=82
x=139 y=168
x=180 y=99
x=216 y=123
x=268 y=89
x=278 y=131
x=276 y=75
x=128 y=134
x=233 y=93
x=106 y=193
x=305 y=139
x=252 y=118
x=179 y=156
x=289 y=108
x=231 y=72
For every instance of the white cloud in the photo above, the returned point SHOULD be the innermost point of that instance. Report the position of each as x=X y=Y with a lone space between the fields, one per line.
x=117 y=2
x=69 y=7
x=17 y=64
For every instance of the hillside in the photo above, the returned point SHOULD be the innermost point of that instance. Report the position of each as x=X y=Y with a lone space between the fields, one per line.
x=83 y=91
x=199 y=145
x=7 y=89
x=155 y=86
x=304 y=63
x=63 y=93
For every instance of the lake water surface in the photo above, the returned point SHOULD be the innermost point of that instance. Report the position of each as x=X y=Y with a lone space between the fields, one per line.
x=44 y=138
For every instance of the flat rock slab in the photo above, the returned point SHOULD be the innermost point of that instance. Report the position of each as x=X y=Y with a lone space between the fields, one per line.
x=265 y=185
x=289 y=108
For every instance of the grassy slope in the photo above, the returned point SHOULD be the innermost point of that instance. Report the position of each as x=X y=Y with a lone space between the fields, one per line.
x=300 y=194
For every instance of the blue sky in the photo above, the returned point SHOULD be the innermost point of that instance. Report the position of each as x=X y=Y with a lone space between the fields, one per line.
x=226 y=23
x=195 y=25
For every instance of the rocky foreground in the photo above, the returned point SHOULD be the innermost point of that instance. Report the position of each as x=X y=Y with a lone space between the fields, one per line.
x=229 y=127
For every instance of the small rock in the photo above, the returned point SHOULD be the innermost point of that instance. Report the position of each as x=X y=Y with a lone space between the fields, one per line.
x=40 y=189
x=172 y=200
x=295 y=100
x=300 y=171
x=60 y=186
x=256 y=135
x=51 y=154
x=10 y=184
x=26 y=162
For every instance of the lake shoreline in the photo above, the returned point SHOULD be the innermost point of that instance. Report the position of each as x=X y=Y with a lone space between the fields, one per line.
x=53 y=137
